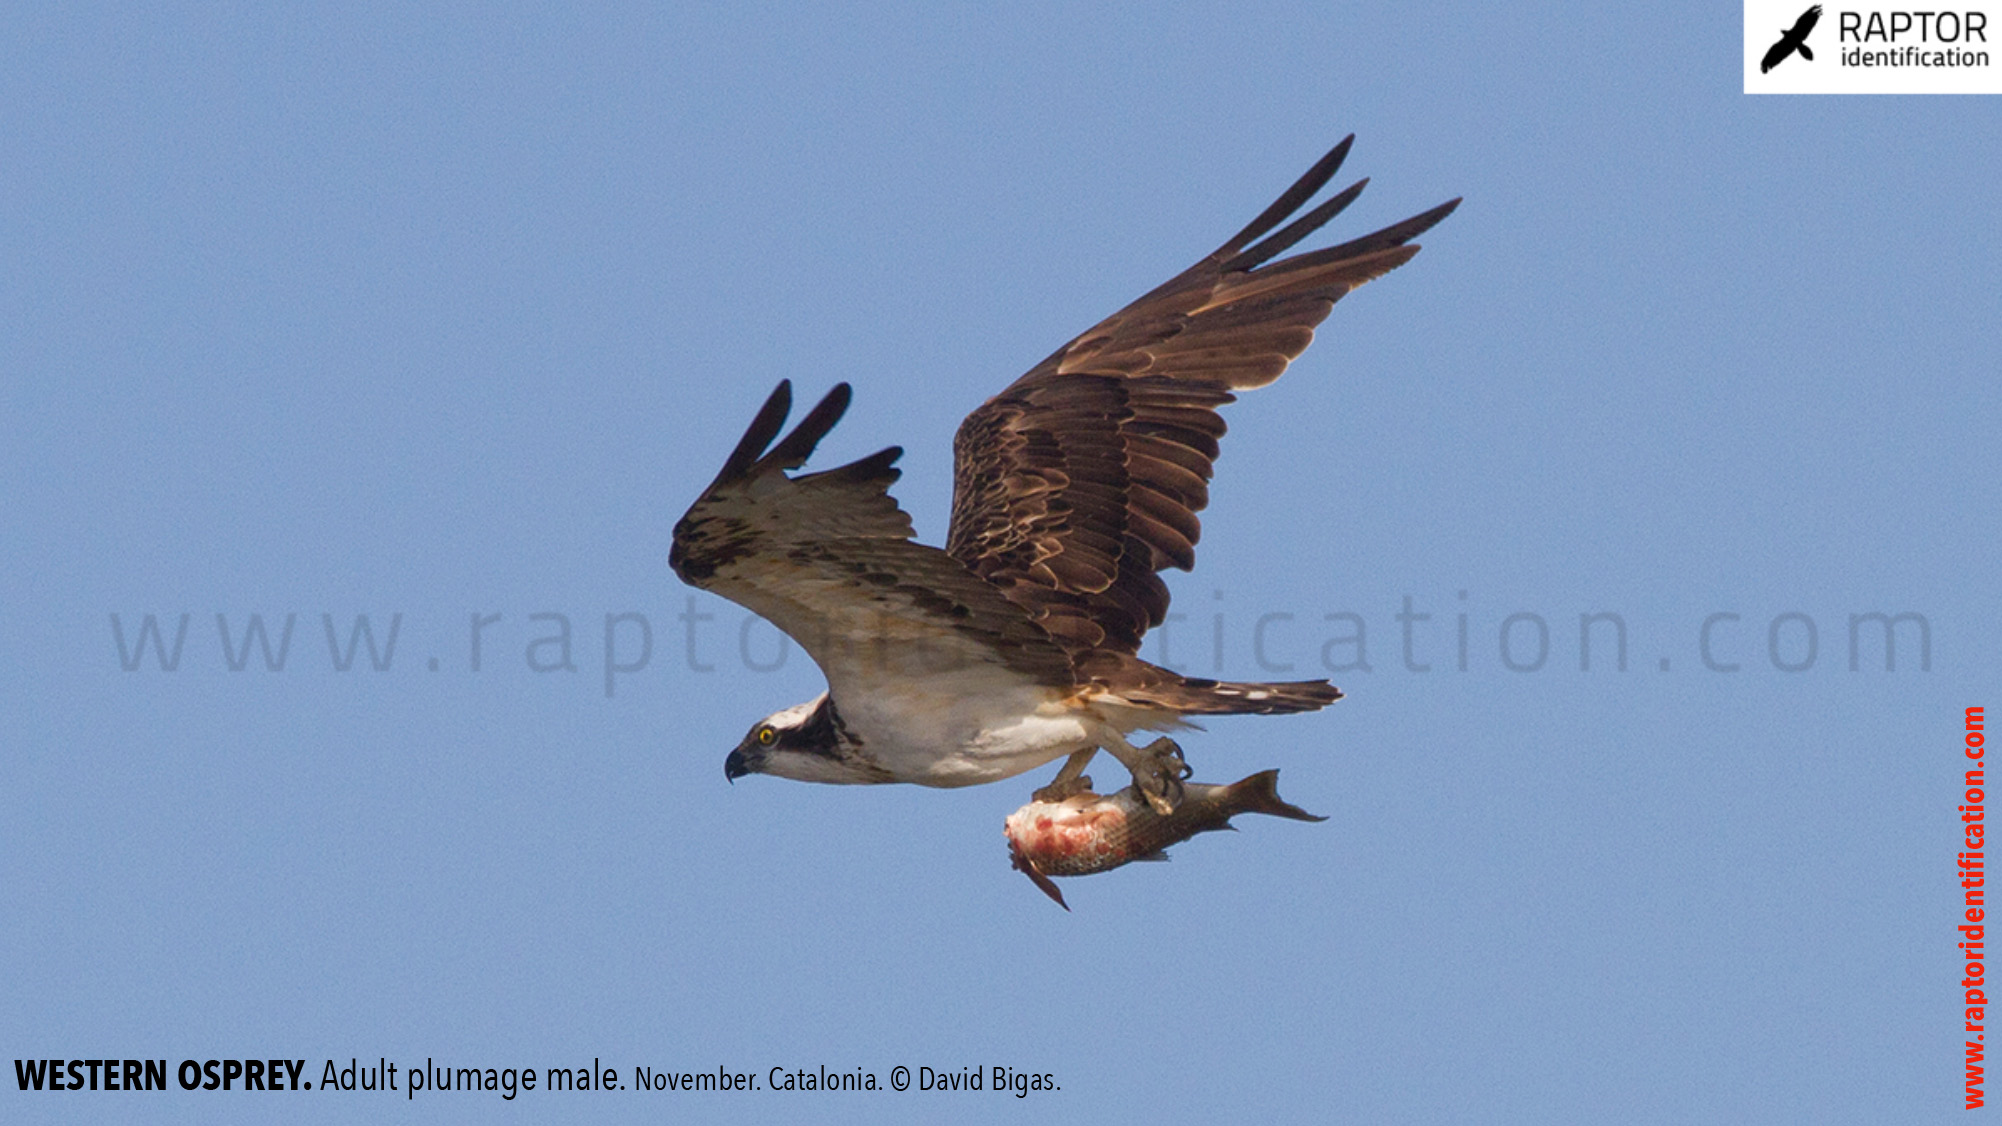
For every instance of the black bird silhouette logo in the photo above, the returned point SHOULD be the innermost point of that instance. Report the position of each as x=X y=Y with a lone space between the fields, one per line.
x=1791 y=40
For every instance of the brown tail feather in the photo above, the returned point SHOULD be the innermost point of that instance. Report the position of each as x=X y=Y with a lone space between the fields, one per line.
x=1195 y=695
x=1150 y=685
x=1200 y=696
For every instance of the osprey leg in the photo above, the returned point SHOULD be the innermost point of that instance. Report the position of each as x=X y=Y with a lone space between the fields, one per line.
x=1158 y=769
x=1070 y=780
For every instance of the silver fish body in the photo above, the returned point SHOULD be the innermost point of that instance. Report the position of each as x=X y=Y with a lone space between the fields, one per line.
x=1090 y=833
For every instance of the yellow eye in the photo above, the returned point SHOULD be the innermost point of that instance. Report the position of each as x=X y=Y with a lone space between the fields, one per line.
x=766 y=736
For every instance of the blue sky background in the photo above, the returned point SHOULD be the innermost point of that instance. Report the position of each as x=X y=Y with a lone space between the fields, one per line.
x=453 y=311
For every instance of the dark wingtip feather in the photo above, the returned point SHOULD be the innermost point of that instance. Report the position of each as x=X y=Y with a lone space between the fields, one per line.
x=1443 y=210
x=793 y=450
x=766 y=426
x=880 y=465
x=1395 y=235
x=1298 y=229
x=1302 y=190
x=1411 y=228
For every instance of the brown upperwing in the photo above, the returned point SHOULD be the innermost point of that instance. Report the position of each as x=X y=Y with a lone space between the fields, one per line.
x=1075 y=486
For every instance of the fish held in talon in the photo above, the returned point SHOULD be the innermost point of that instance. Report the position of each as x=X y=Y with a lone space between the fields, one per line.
x=1087 y=833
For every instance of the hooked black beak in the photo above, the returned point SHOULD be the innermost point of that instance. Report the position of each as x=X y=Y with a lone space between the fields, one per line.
x=735 y=766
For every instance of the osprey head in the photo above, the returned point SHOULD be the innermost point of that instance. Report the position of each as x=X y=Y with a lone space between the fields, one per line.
x=802 y=742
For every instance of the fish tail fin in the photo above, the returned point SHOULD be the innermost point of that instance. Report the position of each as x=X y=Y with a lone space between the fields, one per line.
x=1260 y=794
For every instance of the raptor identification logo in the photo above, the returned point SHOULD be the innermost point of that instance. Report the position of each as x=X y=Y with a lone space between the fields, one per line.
x=1792 y=47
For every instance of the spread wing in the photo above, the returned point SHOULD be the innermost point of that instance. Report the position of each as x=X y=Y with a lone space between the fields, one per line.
x=827 y=557
x=1777 y=53
x=1805 y=24
x=1075 y=486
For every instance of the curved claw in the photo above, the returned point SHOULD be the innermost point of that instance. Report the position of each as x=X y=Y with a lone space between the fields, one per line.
x=1163 y=792
x=1160 y=782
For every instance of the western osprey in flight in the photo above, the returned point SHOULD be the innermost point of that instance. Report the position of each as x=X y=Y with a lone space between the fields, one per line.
x=1017 y=643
